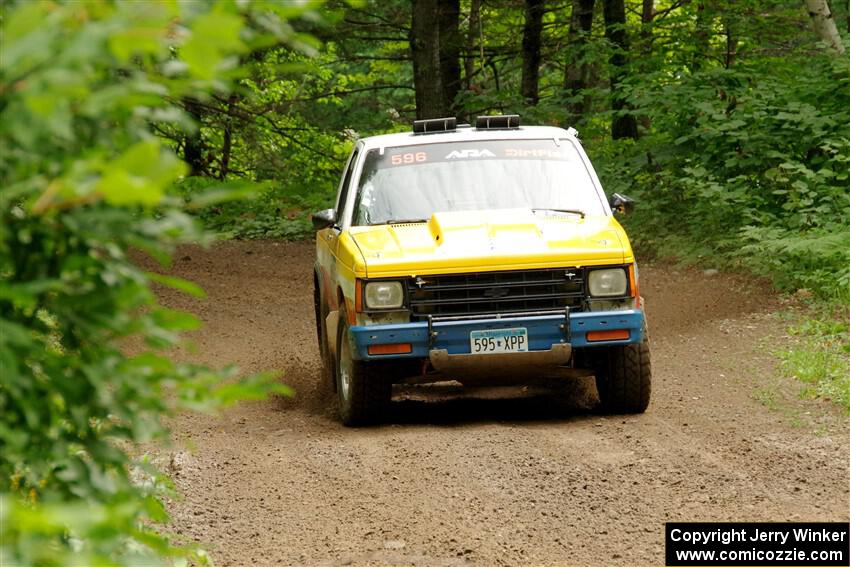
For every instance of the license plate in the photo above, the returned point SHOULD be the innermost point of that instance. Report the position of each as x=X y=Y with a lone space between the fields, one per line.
x=498 y=340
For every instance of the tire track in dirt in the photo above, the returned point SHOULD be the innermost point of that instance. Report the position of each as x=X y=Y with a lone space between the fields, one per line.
x=517 y=478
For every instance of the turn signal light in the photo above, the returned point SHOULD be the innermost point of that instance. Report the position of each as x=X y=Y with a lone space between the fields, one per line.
x=400 y=348
x=616 y=335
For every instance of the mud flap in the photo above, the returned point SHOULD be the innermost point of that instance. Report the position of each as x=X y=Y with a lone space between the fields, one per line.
x=331 y=324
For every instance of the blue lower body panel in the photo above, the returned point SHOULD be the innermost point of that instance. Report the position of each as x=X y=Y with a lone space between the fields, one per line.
x=453 y=336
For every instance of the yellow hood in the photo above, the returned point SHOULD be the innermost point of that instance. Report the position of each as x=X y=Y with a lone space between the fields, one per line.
x=456 y=242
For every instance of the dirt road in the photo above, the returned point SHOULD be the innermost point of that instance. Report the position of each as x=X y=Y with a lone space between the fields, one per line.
x=495 y=478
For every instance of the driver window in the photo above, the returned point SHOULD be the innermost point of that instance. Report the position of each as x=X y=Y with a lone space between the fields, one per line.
x=346 y=183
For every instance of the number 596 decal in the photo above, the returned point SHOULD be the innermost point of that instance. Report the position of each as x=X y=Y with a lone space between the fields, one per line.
x=401 y=159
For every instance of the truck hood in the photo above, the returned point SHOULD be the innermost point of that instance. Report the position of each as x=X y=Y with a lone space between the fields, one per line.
x=466 y=241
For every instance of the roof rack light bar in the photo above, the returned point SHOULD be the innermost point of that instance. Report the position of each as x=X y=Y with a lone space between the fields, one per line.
x=434 y=125
x=505 y=122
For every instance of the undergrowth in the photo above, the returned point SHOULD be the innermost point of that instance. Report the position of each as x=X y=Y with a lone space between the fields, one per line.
x=745 y=168
x=274 y=210
x=819 y=354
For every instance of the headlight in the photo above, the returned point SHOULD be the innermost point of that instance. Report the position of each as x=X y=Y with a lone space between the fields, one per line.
x=608 y=283
x=383 y=295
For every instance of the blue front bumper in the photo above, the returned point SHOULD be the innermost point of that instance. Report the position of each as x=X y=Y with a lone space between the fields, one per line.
x=453 y=336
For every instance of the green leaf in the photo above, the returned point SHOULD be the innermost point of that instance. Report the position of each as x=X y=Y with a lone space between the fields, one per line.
x=147 y=36
x=140 y=175
x=24 y=295
x=223 y=193
x=177 y=283
x=13 y=333
x=174 y=320
x=213 y=37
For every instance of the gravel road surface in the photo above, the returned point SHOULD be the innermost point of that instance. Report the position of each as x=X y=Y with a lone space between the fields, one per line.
x=500 y=476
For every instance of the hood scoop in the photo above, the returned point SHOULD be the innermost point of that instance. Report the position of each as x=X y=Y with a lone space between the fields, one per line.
x=503 y=224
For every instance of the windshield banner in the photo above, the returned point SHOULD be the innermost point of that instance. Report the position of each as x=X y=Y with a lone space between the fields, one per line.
x=464 y=151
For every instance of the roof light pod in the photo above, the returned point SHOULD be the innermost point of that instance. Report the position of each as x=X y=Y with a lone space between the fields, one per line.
x=505 y=122
x=434 y=125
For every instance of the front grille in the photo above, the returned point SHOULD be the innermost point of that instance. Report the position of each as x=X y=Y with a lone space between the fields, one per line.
x=497 y=292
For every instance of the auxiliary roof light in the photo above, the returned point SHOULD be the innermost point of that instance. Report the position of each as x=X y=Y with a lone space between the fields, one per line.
x=434 y=125
x=505 y=122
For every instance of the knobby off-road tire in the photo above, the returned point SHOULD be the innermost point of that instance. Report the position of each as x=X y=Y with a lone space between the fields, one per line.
x=363 y=388
x=624 y=377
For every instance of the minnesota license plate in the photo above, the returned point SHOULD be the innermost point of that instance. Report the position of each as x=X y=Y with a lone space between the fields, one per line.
x=498 y=340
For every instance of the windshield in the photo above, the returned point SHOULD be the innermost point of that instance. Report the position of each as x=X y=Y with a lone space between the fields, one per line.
x=411 y=183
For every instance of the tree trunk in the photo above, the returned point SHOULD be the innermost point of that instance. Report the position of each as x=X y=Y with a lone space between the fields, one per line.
x=495 y=71
x=731 y=44
x=193 y=153
x=227 y=143
x=531 y=38
x=624 y=124
x=435 y=45
x=450 y=43
x=577 y=72
x=824 y=24
x=701 y=37
x=647 y=15
x=425 y=51
x=471 y=37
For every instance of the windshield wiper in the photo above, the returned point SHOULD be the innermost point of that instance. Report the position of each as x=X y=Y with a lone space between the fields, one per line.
x=582 y=214
x=403 y=221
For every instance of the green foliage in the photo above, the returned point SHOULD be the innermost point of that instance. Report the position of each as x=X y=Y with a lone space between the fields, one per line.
x=748 y=166
x=294 y=150
x=271 y=212
x=820 y=356
x=85 y=187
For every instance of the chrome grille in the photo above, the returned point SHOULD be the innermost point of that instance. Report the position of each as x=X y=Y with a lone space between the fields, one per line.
x=497 y=292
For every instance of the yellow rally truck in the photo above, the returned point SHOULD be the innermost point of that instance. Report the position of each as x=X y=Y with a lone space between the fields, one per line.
x=476 y=254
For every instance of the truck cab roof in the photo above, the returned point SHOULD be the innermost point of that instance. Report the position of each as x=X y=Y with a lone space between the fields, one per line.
x=467 y=134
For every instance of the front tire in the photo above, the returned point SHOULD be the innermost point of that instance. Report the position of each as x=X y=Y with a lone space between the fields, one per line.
x=363 y=390
x=624 y=377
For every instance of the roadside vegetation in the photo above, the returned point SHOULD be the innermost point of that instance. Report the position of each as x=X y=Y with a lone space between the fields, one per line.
x=820 y=354
x=83 y=183
x=128 y=126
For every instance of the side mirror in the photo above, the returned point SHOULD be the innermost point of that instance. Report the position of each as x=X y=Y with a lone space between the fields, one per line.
x=323 y=219
x=622 y=204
